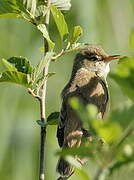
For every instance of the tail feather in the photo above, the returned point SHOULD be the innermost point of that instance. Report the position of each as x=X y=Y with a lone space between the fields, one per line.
x=64 y=168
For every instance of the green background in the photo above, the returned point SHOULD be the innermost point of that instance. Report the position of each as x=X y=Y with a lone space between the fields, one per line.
x=104 y=22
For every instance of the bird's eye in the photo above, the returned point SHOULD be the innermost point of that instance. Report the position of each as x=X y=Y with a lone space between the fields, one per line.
x=93 y=58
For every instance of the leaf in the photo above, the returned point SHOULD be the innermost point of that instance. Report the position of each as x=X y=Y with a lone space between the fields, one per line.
x=42 y=80
x=77 y=31
x=73 y=161
x=43 y=29
x=21 y=64
x=62 y=4
x=126 y=133
x=79 y=107
x=12 y=8
x=123 y=116
x=119 y=164
x=18 y=9
x=53 y=118
x=131 y=39
x=60 y=22
x=9 y=8
x=50 y=74
x=124 y=76
x=109 y=131
x=82 y=174
x=30 y=5
x=8 y=66
x=39 y=69
x=86 y=113
x=15 y=77
x=42 y=124
x=78 y=169
x=76 y=151
x=40 y=13
x=125 y=66
x=75 y=47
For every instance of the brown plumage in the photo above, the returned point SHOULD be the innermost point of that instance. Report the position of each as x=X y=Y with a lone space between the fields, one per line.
x=88 y=83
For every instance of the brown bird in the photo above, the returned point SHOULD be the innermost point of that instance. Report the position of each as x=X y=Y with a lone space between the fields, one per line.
x=88 y=83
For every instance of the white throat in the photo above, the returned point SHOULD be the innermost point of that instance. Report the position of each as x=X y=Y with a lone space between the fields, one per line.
x=102 y=70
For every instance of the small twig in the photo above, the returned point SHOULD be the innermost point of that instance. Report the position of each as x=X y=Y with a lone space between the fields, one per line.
x=129 y=130
x=33 y=94
x=58 y=55
x=32 y=18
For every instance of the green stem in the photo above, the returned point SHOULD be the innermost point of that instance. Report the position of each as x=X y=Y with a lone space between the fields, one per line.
x=101 y=174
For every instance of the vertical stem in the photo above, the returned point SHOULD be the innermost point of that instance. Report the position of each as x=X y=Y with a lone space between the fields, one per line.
x=101 y=174
x=43 y=108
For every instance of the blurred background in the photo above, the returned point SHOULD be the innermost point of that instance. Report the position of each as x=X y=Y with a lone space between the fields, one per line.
x=104 y=22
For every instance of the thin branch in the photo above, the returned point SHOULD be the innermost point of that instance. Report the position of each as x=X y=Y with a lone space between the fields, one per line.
x=58 y=55
x=43 y=107
x=129 y=130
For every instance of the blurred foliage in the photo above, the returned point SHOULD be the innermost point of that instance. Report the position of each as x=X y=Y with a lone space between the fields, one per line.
x=124 y=75
x=109 y=23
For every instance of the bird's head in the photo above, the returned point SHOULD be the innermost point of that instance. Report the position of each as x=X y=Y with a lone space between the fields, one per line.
x=93 y=58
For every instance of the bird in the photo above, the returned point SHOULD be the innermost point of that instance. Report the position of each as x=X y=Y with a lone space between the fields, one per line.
x=88 y=83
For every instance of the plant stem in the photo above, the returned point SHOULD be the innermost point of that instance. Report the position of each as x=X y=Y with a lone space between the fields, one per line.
x=101 y=174
x=43 y=108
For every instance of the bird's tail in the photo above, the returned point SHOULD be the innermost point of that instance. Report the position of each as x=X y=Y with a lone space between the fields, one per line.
x=65 y=169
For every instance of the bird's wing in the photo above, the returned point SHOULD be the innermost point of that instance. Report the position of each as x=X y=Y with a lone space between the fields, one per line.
x=105 y=98
x=61 y=126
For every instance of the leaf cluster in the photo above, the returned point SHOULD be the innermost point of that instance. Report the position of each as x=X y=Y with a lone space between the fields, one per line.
x=19 y=69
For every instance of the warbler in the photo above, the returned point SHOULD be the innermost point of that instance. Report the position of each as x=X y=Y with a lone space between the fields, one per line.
x=88 y=83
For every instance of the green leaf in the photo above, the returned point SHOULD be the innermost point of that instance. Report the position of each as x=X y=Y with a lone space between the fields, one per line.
x=30 y=5
x=79 y=107
x=73 y=161
x=131 y=39
x=124 y=76
x=53 y=118
x=39 y=69
x=120 y=163
x=42 y=124
x=40 y=13
x=18 y=9
x=109 y=131
x=75 y=47
x=82 y=174
x=77 y=32
x=62 y=4
x=50 y=74
x=122 y=116
x=44 y=31
x=125 y=66
x=86 y=113
x=76 y=151
x=8 y=8
x=60 y=22
x=8 y=66
x=12 y=8
x=41 y=81
x=21 y=64
x=15 y=77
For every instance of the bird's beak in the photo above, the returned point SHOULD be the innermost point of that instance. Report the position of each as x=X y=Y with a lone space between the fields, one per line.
x=110 y=58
